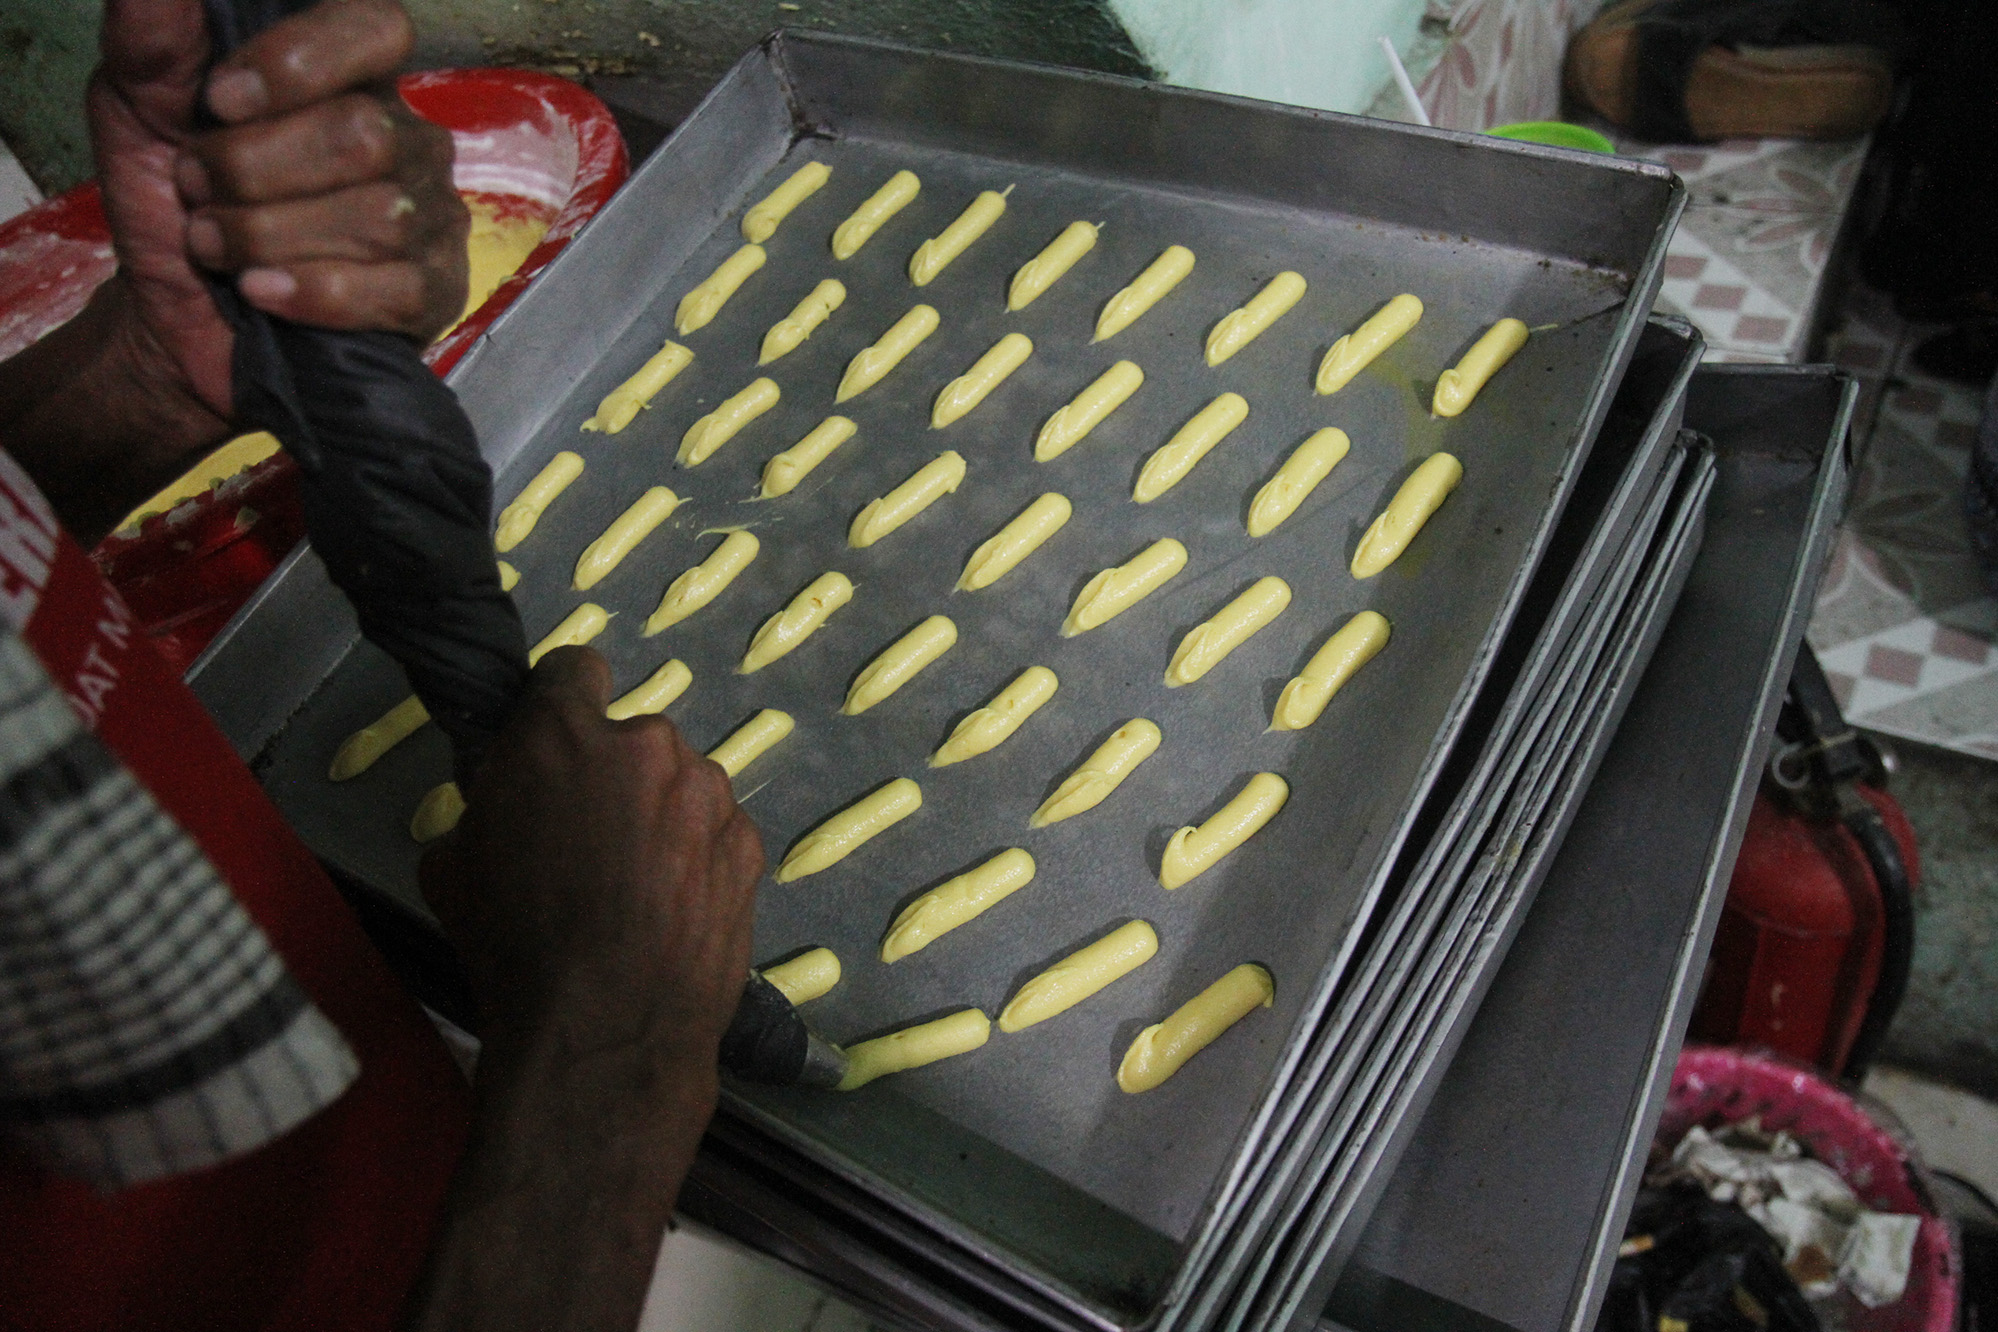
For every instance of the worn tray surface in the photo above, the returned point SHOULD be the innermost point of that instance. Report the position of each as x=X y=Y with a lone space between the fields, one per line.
x=1287 y=900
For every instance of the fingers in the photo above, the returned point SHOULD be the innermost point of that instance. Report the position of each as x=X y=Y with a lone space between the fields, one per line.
x=573 y=677
x=419 y=300
x=365 y=224
x=335 y=45
x=345 y=141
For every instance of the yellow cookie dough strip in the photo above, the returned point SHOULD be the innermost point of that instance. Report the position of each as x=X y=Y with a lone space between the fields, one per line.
x=796 y=622
x=955 y=901
x=899 y=663
x=805 y=977
x=1356 y=350
x=1146 y=290
x=864 y=221
x=1015 y=541
x=1194 y=851
x=508 y=575
x=1046 y=268
x=623 y=535
x=1456 y=387
x=752 y=740
x=782 y=473
x=1233 y=625
x=850 y=829
x=578 y=627
x=721 y=425
x=926 y=485
x=988 y=372
x=787 y=333
x=705 y=581
x=517 y=519
x=1117 y=589
x=1087 y=410
x=704 y=302
x=621 y=404
x=1352 y=647
x=1162 y=1048
x=660 y=689
x=872 y=364
x=1170 y=463
x=989 y=726
x=1239 y=328
x=759 y=224
x=1101 y=773
x=1081 y=974
x=936 y=253
x=1308 y=464
x=1419 y=497
x=912 y=1047
x=359 y=751
x=437 y=813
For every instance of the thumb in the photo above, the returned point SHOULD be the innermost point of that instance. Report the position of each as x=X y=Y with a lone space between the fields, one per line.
x=153 y=54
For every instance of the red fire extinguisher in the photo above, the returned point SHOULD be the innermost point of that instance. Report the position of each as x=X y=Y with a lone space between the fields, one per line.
x=1812 y=954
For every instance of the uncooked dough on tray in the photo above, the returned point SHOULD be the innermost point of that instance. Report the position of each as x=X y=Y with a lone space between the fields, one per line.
x=850 y=829
x=699 y=306
x=1412 y=506
x=929 y=483
x=1115 y=590
x=1146 y=290
x=517 y=519
x=1162 y=1049
x=798 y=621
x=760 y=223
x=1239 y=328
x=899 y=663
x=722 y=424
x=896 y=194
x=912 y=1047
x=990 y=726
x=752 y=740
x=808 y=976
x=654 y=694
x=1195 y=850
x=789 y=333
x=1080 y=974
x=705 y=581
x=936 y=253
x=1022 y=536
x=622 y=403
x=1101 y=773
x=1356 y=350
x=988 y=372
x=623 y=535
x=1456 y=386
x=872 y=364
x=957 y=901
x=1046 y=268
x=1168 y=466
x=1087 y=410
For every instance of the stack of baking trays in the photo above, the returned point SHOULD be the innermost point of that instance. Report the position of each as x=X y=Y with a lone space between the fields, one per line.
x=1017 y=1183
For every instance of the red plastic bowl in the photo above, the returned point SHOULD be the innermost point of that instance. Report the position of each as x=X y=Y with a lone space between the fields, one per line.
x=1714 y=1086
x=529 y=144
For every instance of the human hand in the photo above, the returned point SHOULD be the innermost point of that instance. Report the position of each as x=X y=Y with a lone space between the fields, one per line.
x=601 y=884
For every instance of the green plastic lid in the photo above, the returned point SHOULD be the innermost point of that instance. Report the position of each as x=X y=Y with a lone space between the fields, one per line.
x=1556 y=134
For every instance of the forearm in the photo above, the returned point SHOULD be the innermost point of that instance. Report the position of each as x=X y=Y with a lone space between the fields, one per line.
x=98 y=418
x=558 y=1207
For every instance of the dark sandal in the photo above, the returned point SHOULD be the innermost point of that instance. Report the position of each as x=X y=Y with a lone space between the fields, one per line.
x=1690 y=71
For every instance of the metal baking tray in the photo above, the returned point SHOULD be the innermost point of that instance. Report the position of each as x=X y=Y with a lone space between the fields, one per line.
x=1026 y=1149
x=1510 y=1200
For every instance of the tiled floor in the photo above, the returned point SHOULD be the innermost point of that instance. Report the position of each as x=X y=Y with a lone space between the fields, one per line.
x=1954 y=1130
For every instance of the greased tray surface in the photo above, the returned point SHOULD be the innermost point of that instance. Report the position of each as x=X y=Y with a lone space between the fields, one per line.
x=1046 y=1096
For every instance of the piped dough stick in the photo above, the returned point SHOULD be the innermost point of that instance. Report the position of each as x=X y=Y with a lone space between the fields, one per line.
x=796 y=622
x=1456 y=386
x=1419 y=497
x=850 y=829
x=860 y=226
x=786 y=335
x=1117 y=589
x=1046 y=268
x=752 y=740
x=1193 y=851
x=621 y=404
x=912 y=1047
x=759 y=224
x=1239 y=328
x=1352 y=647
x=988 y=372
x=899 y=663
x=359 y=751
x=1162 y=1048
x=1087 y=410
x=705 y=581
x=936 y=253
x=578 y=627
x=1308 y=464
x=437 y=813
x=926 y=485
x=1015 y=541
x=1101 y=773
x=955 y=902
x=806 y=977
x=1081 y=974
x=1171 y=461
x=704 y=302
x=1356 y=350
x=989 y=726
x=1146 y=290
x=782 y=473
x=871 y=364
x=623 y=535
x=1233 y=625
x=660 y=689
x=508 y=575
x=517 y=519
x=721 y=425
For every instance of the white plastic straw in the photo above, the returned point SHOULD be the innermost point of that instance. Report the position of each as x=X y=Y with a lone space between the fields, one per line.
x=1402 y=81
